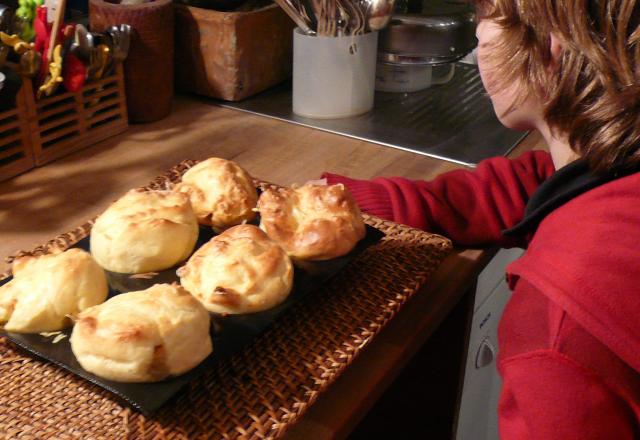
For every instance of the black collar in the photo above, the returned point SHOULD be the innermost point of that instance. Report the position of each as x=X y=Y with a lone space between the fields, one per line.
x=565 y=184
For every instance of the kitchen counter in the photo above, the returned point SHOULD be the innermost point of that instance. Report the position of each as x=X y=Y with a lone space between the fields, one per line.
x=439 y=122
x=46 y=201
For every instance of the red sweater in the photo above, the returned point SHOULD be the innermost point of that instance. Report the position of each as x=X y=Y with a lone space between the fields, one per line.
x=570 y=335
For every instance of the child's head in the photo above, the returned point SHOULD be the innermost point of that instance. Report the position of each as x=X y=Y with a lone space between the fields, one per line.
x=572 y=63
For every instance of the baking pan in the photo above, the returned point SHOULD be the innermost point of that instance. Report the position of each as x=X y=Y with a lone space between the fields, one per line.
x=231 y=333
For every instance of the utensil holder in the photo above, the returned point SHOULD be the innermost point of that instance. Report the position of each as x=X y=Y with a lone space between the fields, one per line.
x=66 y=122
x=148 y=69
x=333 y=77
x=36 y=132
x=16 y=154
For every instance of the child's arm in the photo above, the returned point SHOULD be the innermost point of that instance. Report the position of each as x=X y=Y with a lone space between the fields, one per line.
x=470 y=207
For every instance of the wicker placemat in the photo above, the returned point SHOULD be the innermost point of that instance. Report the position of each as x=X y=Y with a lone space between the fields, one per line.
x=258 y=393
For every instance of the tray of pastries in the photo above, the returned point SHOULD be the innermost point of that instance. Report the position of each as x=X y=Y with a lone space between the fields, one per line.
x=171 y=281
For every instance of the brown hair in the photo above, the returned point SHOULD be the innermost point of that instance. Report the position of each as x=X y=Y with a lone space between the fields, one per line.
x=594 y=94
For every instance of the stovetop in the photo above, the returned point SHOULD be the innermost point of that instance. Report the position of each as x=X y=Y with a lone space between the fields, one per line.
x=453 y=122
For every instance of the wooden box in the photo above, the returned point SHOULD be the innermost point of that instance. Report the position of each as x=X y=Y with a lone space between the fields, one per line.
x=66 y=122
x=36 y=132
x=232 y=55
x=16 y=154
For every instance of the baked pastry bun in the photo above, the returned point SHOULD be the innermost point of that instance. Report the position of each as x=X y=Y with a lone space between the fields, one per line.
x=47 y=289
x=143 y=336
x=239 y=271
x=312 y=222
x=145 y=231
x=221 y=192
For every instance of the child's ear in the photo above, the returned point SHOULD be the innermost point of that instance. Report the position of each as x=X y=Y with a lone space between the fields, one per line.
x=556 y=47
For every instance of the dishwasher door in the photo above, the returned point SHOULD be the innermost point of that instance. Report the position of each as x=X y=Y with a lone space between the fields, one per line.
x=478 y=413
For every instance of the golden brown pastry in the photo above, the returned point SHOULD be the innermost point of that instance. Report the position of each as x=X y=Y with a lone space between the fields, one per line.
x=47 y=289
x=221 y=192
x=145 y=231
x=143 y=336
x=239 y=271
x=312 y=222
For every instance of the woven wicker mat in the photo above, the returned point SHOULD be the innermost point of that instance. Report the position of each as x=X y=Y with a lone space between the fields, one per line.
x=255 y=394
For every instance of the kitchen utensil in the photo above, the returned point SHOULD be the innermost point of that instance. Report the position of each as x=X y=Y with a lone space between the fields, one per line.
x=4 y=51
x=341 y=17
x=379 y=13
x=68 y=33
x=55 y=29
x=357 y=18
x=95 y=61
x=54 y=53
x=99 y=60
x=417 y=51
x=74 y=72
x=30 y=63
x=125 y=42
x=327 y=14
x=54 y=78
x=82 y=43
x=307 y=7
x=442 y=32
x=121 y=39
x=103 y=55
x=342 y=21
x=42 y=30
x=24 y=18
x=30 y=59
x=6 y=19
x=14 y=41
x=295 y=15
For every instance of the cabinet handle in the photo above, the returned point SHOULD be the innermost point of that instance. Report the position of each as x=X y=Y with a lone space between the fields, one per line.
x=485 y=354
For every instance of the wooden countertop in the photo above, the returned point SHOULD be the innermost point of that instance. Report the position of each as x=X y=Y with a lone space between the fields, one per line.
x=44 y=202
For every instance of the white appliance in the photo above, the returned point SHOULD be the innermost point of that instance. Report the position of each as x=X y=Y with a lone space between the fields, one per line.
x=478 y=413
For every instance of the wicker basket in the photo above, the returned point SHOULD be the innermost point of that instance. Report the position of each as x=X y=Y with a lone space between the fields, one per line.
x=148 y=68
x=232 y=55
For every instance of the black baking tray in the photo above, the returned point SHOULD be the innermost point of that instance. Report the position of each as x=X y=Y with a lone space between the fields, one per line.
x=230 y=333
